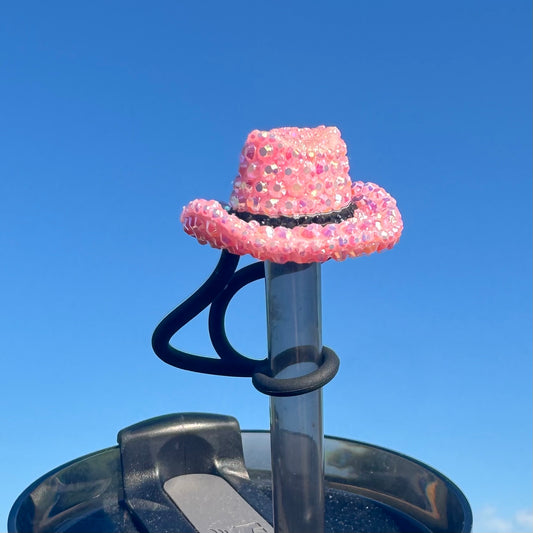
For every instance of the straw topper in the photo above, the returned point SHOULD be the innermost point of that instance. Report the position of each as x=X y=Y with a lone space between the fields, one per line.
x=293 y=200
x=293 y=205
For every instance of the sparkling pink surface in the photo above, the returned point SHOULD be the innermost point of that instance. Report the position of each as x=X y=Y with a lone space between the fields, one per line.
x=291 y=171
x=297 y=171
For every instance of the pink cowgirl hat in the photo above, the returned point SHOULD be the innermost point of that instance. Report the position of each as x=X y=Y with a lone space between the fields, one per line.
x=293 y=200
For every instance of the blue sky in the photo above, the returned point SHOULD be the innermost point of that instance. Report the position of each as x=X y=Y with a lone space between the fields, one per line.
x=115 y=114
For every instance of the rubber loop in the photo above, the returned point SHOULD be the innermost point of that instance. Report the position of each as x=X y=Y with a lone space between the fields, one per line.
x=316 y=379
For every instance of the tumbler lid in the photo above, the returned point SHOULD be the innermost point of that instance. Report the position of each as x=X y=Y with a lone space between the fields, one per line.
x=168 y=473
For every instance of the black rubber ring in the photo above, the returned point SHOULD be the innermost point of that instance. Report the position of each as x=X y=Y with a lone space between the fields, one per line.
x=300 y=385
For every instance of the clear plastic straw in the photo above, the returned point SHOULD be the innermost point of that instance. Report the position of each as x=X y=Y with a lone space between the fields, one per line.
x=294 y=320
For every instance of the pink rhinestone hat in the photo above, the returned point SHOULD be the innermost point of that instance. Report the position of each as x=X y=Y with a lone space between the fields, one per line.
x=293 y=200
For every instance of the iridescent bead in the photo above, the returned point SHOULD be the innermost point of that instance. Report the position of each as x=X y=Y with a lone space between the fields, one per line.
x=295 y=188
x=312 y=231
x=252 y=203
x=249 y=151
x=253 y=170
x=280 y=232
x=329 y=230
x=277 y=189
x=264 y=151
x=372 y=205
x=271 y=203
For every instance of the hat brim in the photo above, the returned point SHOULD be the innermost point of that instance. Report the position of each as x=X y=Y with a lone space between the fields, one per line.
x=376 y=225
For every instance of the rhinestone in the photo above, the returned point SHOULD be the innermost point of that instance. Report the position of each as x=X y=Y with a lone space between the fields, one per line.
x=265 y=150
x=295 y=188
x=277 y=189
x=250 y=151
x=281 y=232
x=269 y=204
x=252 y=170
x=252 y=202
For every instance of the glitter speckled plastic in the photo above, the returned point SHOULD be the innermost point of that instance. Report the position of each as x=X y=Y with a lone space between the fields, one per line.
x=294 y=172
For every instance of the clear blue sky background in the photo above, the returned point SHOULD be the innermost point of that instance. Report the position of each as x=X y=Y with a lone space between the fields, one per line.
x=113 y=115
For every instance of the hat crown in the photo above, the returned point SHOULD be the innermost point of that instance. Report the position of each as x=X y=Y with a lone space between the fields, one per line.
x=292 y=171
